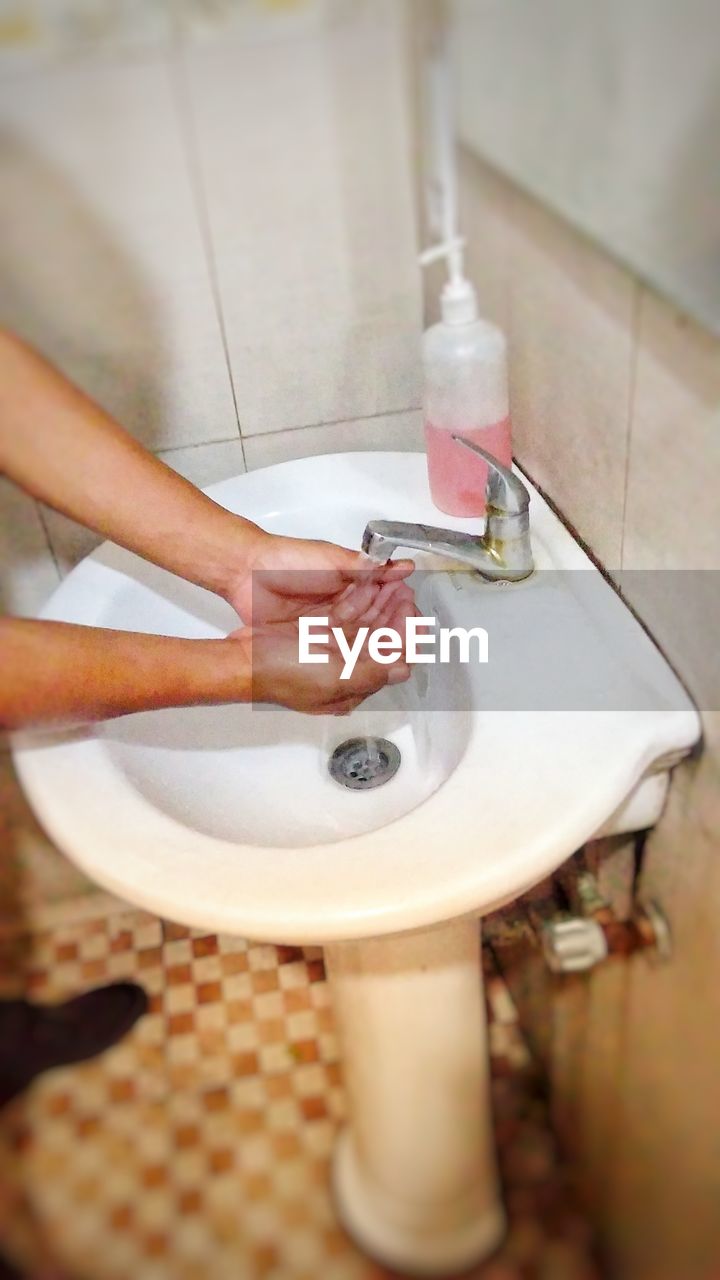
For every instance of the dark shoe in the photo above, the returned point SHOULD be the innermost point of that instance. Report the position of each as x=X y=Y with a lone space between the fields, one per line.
x=8 y=1271
x=36 y=1038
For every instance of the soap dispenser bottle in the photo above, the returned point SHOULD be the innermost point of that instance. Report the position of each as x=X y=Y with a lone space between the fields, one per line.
x=466 y=393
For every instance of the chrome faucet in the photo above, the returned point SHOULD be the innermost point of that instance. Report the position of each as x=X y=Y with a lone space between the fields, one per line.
x=502 y=553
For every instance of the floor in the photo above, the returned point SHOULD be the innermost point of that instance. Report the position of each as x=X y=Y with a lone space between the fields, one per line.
x=200 y=1146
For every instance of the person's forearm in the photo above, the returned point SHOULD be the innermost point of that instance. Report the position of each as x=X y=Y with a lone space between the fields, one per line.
x=52 y=673
x=64 y=449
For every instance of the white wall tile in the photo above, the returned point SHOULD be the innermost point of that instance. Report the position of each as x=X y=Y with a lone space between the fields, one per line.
x=304 y=148
x=571 y=317
x=207 y=463
x=672 y=521
x=101 y=257
x=37 y=33
x=673 y=495
x=70 y=542
x=27 y=570
x=610 y=113
x=663 y=1184
x=258 y=23
x=659 y=1219
x=393 y=431
x=485 y=203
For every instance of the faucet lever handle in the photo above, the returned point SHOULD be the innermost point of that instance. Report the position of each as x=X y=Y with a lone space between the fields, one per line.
x=505 y=491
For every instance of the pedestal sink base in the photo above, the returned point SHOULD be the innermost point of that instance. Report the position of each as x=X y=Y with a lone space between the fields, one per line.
x=367 y=1216
x=414 y=1176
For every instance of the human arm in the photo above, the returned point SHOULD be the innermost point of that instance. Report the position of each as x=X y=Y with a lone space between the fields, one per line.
x=65 y=450
x=57 y=674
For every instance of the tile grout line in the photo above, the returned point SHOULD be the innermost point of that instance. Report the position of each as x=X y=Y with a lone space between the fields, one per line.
x=632 y=384
x=178 y=78
x=282 y=431
x=332 y=422
x=48 y=539
x=58 y=61
x=196 y=444
x=336 y=422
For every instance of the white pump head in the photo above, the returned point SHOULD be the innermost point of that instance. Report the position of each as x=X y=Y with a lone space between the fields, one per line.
x=458 y=301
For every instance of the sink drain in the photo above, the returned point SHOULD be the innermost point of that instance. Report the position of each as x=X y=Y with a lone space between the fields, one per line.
x=363 y=763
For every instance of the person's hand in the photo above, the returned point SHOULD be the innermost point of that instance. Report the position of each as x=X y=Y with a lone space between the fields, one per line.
x=278 y=676
x=283 y=579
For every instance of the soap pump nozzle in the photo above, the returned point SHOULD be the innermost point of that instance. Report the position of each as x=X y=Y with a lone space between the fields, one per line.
x=458 y=301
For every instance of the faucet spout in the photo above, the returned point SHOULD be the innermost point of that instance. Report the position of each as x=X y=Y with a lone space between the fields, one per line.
x=488 y=557
x=503 y=553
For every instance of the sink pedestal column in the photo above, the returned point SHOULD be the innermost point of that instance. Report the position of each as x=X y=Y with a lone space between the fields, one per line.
x=414 y=1175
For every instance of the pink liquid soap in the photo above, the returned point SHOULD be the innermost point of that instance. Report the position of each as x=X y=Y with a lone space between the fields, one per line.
x=457 y=478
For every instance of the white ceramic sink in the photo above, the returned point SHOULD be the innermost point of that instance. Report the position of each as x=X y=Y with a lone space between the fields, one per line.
x=227 y=818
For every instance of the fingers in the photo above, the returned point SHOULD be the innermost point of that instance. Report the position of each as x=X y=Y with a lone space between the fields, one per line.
x=372 y=603
x=278 y=674
x=391 y=570
x=396 y=603
x=380 y=606
x=357 y=598
x=396 y=674
x=402 y=610
x=345 y=708
x=369 y=676
x=395 y=569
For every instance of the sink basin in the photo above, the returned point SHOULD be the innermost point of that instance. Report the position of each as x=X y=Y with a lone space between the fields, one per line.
x=228 y=819
x=485 y=803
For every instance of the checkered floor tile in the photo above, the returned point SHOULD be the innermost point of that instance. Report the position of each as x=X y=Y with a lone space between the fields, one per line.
x=200 y=1146
x=33 y=874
